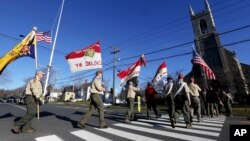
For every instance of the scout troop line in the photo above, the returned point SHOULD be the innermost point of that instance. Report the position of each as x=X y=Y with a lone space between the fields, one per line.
x=180 y=96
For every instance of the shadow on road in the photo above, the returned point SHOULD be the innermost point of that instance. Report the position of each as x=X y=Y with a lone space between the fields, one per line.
x=45 y=114
x=17 y=118
x=73 y=122
x=6 y=115
x=78 y=113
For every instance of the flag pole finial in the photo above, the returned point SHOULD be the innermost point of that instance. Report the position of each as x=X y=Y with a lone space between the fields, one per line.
x=34 y=28
x=142 y=55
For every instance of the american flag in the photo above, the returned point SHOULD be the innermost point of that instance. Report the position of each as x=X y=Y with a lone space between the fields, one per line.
x=199 y=61
x=44 y=36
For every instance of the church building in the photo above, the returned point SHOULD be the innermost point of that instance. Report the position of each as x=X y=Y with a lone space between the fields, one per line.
x=231 y=75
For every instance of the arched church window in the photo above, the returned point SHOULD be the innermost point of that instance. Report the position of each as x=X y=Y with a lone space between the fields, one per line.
x=203 y=26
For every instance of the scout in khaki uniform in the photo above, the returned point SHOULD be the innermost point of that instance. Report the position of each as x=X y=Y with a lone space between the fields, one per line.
x=227 y=102
x=182 y=100
x=96 y=91
x=195 y=100
x=33 y=92
x=131 y=92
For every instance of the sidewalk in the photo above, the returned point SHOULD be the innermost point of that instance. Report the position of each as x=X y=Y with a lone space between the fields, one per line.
x=234 y=120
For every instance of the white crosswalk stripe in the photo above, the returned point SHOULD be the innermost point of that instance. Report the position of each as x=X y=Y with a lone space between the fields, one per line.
x=206 y=120
x=88 y=136
x=216 y=134
x=182 y=125
x=49 y=138
x=128 y=135
x=150 y=130
x=163 y=133
x=218 y=124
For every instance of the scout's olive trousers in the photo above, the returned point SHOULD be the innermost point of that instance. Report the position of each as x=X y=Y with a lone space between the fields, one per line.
x=25 y=122
x=130 y=110
x=154 y=106
x=171 y=106
x=181 y=106
x=195 y=106
x=95 y=103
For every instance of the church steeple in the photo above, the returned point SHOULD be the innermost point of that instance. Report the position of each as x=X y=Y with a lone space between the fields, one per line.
x=191 y=11
x=208 y=9
x=207 y=6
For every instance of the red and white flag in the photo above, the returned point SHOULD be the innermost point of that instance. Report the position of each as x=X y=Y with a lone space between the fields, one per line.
x=161 y=72
x=132 y=71
x=87 y=58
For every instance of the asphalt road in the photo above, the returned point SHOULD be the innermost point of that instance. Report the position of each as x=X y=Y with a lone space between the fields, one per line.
x=58 y=123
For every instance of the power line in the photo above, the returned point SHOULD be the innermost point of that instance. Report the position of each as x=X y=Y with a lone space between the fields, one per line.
x=172 y=47
x=188 y=53
x=190 y=42
x=44 y=47
x=70 y=77
x=183 y=44
x=79 y=78
x=234 y=10
x=142 y=34
x=159 y=29
x=172 y=31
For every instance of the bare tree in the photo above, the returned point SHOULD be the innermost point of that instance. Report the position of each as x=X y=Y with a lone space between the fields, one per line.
x=78 y=81
x=26 y=80
x=5 y=78
x=122 y=95
x=52 y=76
x=106 y=84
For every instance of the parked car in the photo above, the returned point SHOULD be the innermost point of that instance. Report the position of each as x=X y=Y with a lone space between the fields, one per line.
x=22 y=100
x=12 y=99
x=4 y=100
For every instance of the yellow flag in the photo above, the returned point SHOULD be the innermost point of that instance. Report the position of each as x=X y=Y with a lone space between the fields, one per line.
x=25 y=48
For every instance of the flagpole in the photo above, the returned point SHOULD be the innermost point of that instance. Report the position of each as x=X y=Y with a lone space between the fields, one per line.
x=36 y=62
x=33 y=35
x=36 y=67
x=52 y=52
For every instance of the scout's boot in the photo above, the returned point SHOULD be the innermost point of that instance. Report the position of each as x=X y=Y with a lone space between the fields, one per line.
x=29 y=130
x=103 y=126
x=188 y=126
x=158 y=116
x=127 y=121
x=172 y=124
x=16 y=129
x=199 y=120
x=80 y=125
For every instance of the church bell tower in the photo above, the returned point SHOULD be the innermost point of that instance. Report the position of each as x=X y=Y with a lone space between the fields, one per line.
x=208 y=45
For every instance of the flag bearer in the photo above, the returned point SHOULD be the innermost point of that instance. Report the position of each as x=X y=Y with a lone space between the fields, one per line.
x=96 y=102
x=131 y=92
x=33 y=93
x=151 y=99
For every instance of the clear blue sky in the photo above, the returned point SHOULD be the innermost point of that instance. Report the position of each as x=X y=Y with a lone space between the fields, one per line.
x=133 y=26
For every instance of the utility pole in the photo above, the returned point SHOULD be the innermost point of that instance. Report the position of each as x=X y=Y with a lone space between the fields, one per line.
x=115 y=50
